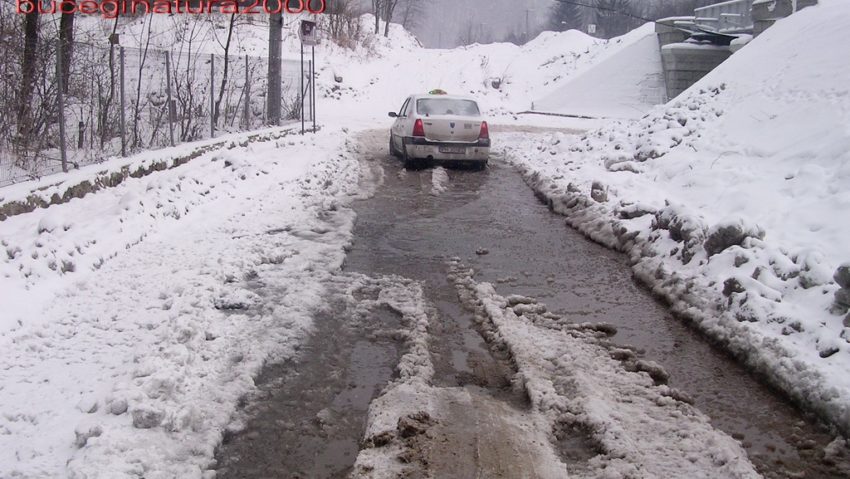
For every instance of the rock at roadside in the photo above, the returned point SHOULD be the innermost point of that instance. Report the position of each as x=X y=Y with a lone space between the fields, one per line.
x=598 y=192
x=414 y=424
x=842 y=276
x=727 y=234
x=145 y=417
x=84 y=432
x=842 y=301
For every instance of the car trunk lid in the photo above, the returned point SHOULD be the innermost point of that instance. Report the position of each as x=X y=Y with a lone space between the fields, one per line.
x=452 y=128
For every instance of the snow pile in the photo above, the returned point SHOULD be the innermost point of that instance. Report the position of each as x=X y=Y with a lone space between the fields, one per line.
x=732 y=201
x=623 y=79
x=130 y=362
x=579 y=381
x=417 y=429
x=439 y=181
x=503 y=77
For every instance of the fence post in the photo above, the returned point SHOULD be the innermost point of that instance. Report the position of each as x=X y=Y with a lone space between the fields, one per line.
x=123 y=103
x=60 y=99
x=273 y=78
x=168 y=92
x=301 y=89
x=247 y=95
x=313 y=84
x=212 y=95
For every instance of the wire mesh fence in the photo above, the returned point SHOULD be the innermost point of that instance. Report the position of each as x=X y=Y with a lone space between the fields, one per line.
x=115 y=100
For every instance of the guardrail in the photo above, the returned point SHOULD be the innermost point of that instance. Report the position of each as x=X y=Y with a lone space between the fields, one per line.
x=734 y=16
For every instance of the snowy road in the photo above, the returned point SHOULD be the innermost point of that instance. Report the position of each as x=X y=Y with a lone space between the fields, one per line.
x=448 y=276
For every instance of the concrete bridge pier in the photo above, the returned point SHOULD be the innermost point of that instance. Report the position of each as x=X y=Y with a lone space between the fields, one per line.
x=686 y=63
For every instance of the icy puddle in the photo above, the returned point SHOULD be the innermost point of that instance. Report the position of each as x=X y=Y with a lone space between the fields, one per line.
x=308 y=415
x=492 y=224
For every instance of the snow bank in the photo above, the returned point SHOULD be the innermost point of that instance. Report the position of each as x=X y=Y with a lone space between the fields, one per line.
x=621 y=79
x=133 y=320
x=732 y=202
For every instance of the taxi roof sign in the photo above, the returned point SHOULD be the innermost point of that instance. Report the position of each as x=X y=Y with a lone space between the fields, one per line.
x=437 y=91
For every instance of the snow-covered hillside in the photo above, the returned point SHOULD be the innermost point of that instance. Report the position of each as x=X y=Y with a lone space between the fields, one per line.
x=619 y=79
x=733 y=201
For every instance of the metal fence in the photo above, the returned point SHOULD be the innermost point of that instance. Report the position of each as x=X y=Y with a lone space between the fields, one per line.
x=728 y=17
x=118 y=100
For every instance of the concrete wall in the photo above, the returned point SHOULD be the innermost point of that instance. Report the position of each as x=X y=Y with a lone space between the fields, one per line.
x=686 y=63
x=667 y=34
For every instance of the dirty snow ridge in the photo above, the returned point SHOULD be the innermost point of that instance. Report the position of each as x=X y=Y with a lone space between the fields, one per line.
x=585 y=385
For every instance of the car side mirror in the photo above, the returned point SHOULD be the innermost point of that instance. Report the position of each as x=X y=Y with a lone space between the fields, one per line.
x=393 y=114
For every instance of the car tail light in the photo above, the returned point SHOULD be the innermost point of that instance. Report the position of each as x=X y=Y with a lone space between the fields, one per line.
x=419 y=128
x=485 y=131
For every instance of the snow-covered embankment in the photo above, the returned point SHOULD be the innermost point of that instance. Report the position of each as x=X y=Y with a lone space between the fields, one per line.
x=132 y=323
x=732 y=202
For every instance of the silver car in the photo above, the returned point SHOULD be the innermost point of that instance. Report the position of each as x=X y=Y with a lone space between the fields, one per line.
x=442 y=128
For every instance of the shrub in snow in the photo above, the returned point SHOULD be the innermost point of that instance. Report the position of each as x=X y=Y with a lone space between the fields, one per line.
x=729 y=233
x=147 y=417
x=48 y=223
x=87 y=404
x=682 y=228
x=117 y=406
x=598 y=192
x=842 y=301
x=842 y=276
x=84 y=432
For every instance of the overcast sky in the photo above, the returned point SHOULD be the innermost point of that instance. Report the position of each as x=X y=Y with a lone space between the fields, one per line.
x=446 y=21
x=449 y=23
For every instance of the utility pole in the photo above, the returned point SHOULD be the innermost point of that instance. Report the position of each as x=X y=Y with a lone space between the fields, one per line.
x=274 y=75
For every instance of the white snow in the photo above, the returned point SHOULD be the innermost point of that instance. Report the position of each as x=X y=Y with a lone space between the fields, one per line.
x=439 y=181
x=141 y=352
x=134 y=318
x=623 y=80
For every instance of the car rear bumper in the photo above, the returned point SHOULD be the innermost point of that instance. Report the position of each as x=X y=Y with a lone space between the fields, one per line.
x=447 y=151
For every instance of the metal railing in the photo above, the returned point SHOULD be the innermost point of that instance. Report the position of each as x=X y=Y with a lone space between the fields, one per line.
x=734 y=16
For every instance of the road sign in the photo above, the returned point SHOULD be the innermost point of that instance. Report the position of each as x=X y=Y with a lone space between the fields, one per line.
x=591 y=29
x=309 y=33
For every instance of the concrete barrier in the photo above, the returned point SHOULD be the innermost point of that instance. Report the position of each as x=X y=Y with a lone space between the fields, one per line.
x=686 y=63
x=668 y=33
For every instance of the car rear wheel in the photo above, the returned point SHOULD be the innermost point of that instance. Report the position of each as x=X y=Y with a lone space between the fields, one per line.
x=393 y=151
x=410 y=163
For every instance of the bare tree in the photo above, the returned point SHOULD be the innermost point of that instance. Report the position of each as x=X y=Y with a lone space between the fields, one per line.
x=105 y=130
x=274 y=73
x=66 y=40
x=377 y=9
x=565 y=16
x=226 y=69
x=342 y=22
x=29 y=61
x=389 y=8
x=615 y=17
x=137 y=104
x=412 y=13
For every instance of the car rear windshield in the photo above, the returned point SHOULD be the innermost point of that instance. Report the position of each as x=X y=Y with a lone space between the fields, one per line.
x=446 y=106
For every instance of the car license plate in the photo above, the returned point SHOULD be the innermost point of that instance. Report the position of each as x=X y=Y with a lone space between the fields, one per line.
x=456 y=150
